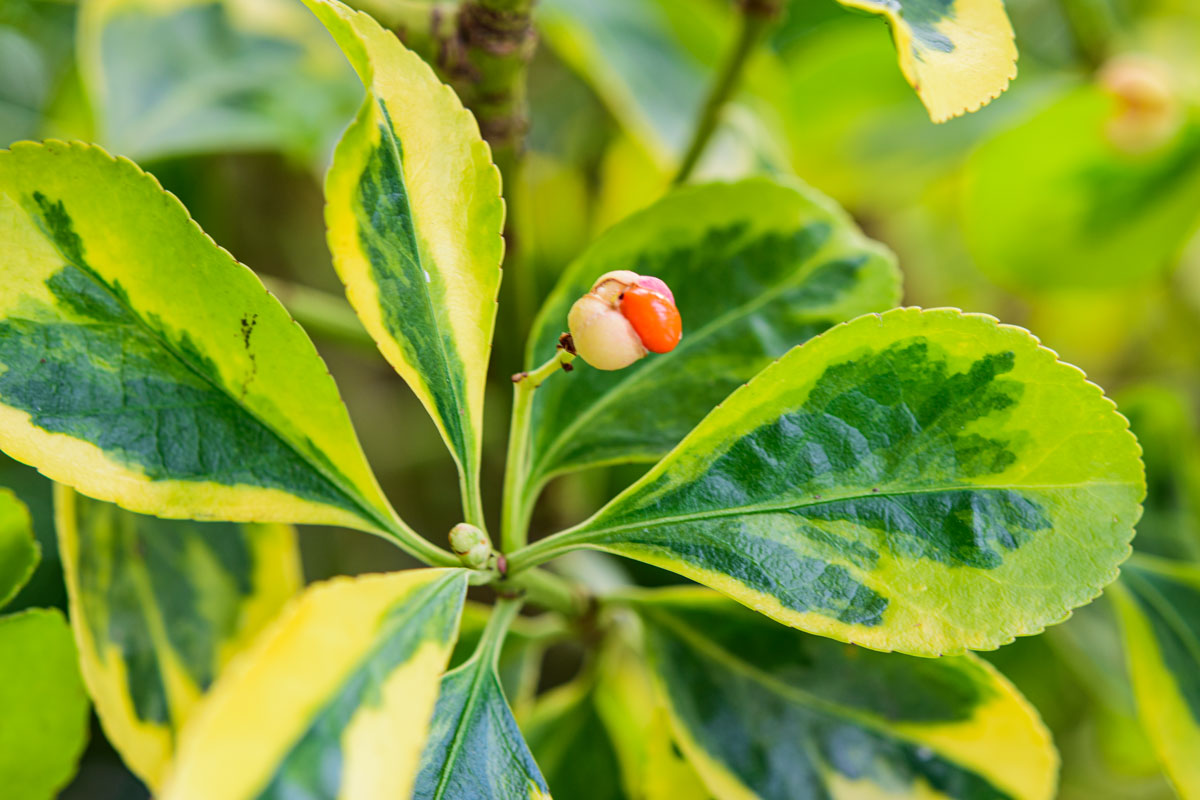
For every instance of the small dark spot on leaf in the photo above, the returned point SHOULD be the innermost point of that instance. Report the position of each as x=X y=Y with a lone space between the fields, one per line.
x=248 y=323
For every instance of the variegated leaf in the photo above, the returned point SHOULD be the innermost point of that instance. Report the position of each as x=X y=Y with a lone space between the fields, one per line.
x=1158 y=602
x=921 y=481
x=756 y=267
x=638 y=722
x=519 y=664
x=414 y=212
x=141 y=364
x=571 y=746
x=159 y=608
x=332 y=701
x=765 y=713
x=958 y=54
x=475 y=748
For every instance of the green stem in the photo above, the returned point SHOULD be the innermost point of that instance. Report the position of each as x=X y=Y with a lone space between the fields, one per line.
x=514 y=519
x=495 y=42
x=419 y=547
x=322 y=314
x=540 y=552
x=503 y=613
x=544 y=588
x=472 y=497
x=756 y=17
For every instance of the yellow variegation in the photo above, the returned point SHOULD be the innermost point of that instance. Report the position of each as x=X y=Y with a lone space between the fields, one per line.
x=414 y=213
x=334 y=698
x=958 y=54
x=159 y=607
x=474 y=748
x=925 y=481
x=141 y=364
x=638 y=722
x=1158 y=602
x=764 y=713
x=570 y=744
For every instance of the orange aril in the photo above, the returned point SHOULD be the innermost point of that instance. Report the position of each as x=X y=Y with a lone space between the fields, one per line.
x=653 y=317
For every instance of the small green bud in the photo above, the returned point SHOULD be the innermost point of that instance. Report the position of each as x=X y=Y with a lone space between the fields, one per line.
x=471 y=545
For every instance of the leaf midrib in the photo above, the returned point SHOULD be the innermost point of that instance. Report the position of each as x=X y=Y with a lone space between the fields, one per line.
x=800 y=697
x=734 y=511
x=96 y=278
x=480 y=668
x=466 y=457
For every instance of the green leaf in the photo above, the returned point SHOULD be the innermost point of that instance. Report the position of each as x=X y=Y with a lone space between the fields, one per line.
x=639 y=725
x=571 y=745
x=650 y=62
x=171 y=77
x=870 y=125
x=44 y=723
x=764 y=712
x=958 y=54
x=1167 y=431
x=1104 y=217
x=629 y=54
x=756 y=267
x=922 y=481
x=519 y=664
x=415 y=214
x=1158 y=602
x=475 y=748
x=333 y=700
x=159 y=608
x=141 y=364
x=19 y=551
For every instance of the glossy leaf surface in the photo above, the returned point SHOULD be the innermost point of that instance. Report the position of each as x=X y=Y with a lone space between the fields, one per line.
x=19 y=552
x=142 y=365
x=1103 y=217
x=160 y=607
x=414 y=213
x=170 y=77
x=475 y=748
x=520 y=661
x=756 y=268
x=957 y=54
x=921 y=481
x=333 y=700
x=44 y=724
x=765 y=712
x=1159 y=605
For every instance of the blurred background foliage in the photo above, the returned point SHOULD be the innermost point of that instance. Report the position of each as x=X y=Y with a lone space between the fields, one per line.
x=1069 y=205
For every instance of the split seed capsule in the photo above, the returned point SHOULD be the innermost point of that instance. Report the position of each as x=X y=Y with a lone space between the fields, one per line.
x=624 y=317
